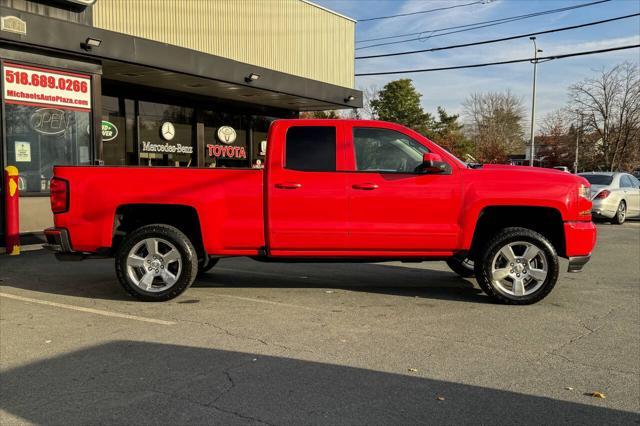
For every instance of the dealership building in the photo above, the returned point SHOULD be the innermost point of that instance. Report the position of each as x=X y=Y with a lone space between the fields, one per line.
x=174 y=83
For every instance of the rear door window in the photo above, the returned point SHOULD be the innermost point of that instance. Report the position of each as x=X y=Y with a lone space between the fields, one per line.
x=311 y=148
x=625 y=182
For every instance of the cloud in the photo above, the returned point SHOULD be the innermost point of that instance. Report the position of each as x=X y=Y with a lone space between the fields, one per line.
x=595 y=44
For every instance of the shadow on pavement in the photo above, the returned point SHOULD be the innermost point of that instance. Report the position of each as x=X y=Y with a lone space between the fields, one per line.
x=365 y=277
x=126 y=382
x=39 y=271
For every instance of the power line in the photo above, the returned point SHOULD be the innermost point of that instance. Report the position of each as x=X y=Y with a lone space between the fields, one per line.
x=499 y=20
x=421 y=11
x=496 y=40
x=473 y=26
x=513 y=61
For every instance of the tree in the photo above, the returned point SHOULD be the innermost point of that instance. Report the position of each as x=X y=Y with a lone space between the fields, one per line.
x=320 y=114
x=366 y=112
x=556 y=140
x=610 y=104
x=399 y=102
x=495 y=125
x=447 y=132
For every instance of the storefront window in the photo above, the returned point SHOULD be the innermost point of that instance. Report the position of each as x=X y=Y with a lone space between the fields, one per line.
x=139 y=131
x=225 y=139
x=113 y=132
x=118 y=131
x=166 y=135
x=39 y=138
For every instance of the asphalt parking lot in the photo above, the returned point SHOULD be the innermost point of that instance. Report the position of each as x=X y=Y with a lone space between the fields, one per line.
x=256 y=343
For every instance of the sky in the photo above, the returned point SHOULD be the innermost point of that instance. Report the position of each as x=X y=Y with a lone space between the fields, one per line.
x=450 y=88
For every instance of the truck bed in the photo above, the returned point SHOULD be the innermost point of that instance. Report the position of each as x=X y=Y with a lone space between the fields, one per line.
x=224 y=198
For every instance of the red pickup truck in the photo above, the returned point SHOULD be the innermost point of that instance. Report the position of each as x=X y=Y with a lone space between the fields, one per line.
x=331 y=190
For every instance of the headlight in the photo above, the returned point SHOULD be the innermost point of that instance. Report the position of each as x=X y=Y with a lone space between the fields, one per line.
x=584 y=191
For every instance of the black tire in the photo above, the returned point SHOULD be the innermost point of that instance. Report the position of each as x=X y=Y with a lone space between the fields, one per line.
x=462 y=266
x=483 y=266
x=621 y=214
x=185 y=275
x=206 y=264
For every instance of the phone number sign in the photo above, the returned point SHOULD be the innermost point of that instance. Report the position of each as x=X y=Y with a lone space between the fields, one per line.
x=25 y=85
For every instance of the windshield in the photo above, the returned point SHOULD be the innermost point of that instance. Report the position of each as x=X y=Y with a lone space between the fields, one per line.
x=598 y=179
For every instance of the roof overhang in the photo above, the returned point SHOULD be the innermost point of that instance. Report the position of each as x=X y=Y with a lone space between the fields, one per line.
x=149 y=63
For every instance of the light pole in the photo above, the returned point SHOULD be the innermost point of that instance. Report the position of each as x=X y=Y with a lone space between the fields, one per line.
x=533 y=97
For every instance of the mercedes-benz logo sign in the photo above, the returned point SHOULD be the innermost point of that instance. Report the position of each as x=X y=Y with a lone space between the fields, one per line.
x=227 y=135
x=167 y=130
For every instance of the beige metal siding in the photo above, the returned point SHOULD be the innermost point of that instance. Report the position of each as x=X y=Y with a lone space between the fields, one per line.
x=291 y=36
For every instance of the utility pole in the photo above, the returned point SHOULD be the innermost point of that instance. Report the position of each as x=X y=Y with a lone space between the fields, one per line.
x=533 y=97
x=578 y=134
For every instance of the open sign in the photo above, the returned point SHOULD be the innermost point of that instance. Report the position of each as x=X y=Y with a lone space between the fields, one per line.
x=49 y=121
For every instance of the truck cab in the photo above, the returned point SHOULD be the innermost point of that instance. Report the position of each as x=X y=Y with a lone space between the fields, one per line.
x=349 y=188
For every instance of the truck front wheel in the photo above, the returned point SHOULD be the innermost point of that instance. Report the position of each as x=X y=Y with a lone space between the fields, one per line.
x=517 y=267
x=156 y=263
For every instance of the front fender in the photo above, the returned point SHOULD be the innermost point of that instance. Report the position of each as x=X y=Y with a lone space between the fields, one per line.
x=509 y=193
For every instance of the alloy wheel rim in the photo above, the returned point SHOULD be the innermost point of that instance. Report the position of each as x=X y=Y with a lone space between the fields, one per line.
x=154 y=264
x=621 y=212
x=519 y=269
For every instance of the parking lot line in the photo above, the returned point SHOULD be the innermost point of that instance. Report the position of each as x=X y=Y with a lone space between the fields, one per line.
x=87 y=310
x=269 y=302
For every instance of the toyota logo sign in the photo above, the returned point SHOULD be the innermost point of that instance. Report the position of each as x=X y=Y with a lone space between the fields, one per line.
x=227 y=135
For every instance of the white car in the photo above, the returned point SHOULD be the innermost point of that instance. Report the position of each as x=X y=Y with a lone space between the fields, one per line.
x=615 y=196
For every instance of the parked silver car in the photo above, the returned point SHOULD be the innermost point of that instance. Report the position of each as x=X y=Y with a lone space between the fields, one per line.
x=615 y=196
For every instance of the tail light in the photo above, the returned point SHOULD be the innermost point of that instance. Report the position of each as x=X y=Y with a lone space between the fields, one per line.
x=59 y=195
x=602 y=195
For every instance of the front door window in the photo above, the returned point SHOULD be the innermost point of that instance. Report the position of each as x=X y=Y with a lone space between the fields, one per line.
x=384 y=150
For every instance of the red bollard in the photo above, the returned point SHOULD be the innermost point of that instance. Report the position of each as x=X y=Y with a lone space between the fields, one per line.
x=11 y=211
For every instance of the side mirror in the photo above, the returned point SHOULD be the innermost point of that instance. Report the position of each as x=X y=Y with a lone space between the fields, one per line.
x=432 y=163
x=429 y=159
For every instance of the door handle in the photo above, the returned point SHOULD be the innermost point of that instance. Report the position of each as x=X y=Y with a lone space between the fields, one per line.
x=288 y=185
x=365 y=186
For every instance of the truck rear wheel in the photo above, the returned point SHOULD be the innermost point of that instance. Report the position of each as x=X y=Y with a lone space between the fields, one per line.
x=517 y=267
x=156 y=263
